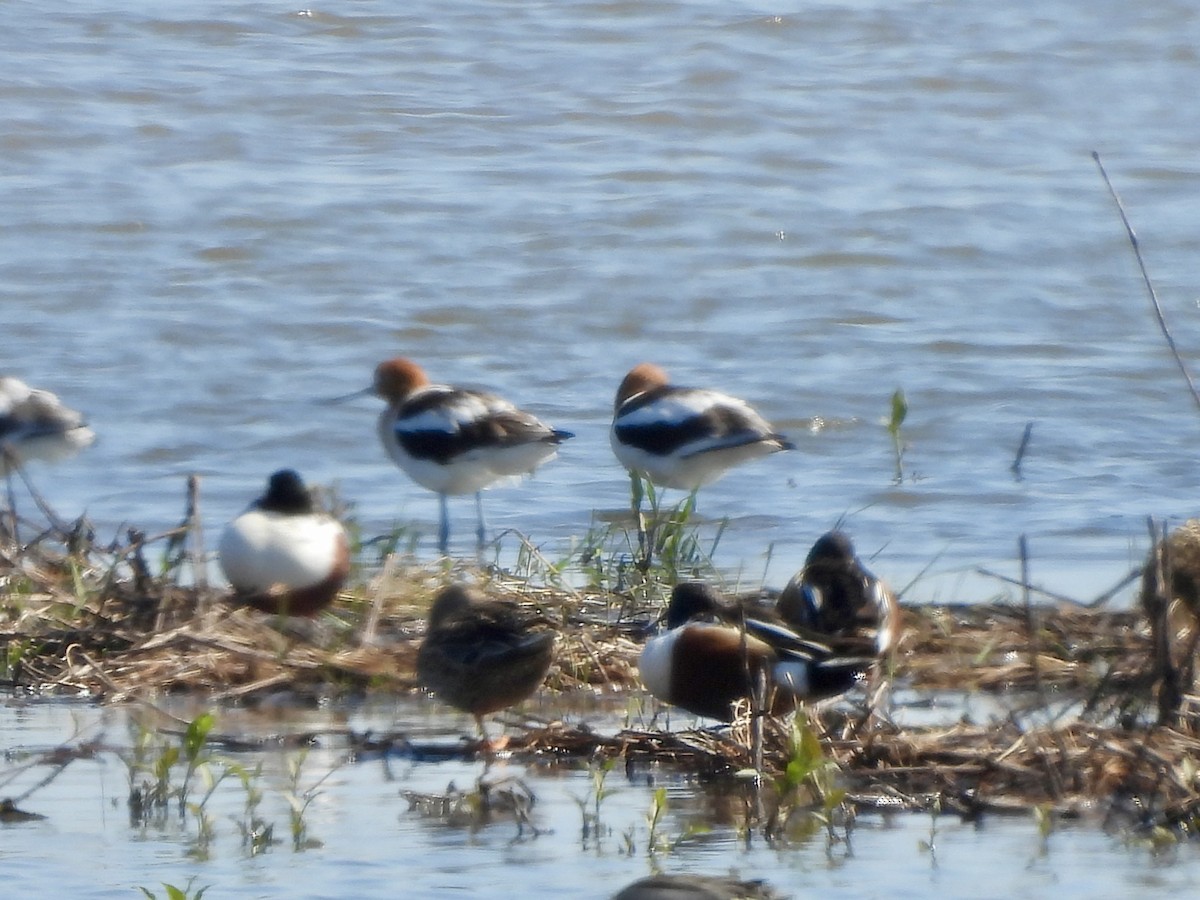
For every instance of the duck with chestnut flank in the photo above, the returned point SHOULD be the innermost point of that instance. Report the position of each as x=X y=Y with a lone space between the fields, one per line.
x=705 y=665
x=283 y=555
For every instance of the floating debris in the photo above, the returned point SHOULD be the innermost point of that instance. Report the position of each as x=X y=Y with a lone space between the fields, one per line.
x=506 y=799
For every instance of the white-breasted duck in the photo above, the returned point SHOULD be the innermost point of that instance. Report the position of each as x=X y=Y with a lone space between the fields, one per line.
x=283 y=555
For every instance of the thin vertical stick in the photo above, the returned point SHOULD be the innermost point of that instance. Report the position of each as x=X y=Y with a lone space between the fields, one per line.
x=199 y=564
x=8 y=461
x=51 y=516
x=1016 y=466
x=1133 y=240
x=1030 y=621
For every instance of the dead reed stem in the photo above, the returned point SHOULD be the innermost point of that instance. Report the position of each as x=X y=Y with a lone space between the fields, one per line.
x=1137 y=252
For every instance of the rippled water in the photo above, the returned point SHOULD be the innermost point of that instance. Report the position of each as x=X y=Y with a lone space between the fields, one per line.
x=217 y=215
x=370 y=844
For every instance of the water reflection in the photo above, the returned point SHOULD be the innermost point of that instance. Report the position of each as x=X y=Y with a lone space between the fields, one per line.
x=365 y=836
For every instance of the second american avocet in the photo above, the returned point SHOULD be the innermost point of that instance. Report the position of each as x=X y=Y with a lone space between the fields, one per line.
x=283 y=555
x=482 y=655
x=705 y=666
x=457 y=441
x=681 y=437
x=34 y=424
x=836 y=598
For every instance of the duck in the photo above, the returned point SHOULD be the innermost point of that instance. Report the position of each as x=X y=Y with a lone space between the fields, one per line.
x=835 y=597
x=481 y=655
x=695 y=887
x=35 y=424
x=455 y=441
x=1179 y=553
x=683 y=437
x=1172 y=607
x=283 y=555
x=704 y=664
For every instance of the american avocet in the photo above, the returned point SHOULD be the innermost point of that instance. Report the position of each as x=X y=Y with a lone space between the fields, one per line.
x=282 y=555
x=34 y=424
x=705 y=666
x=482 y=655
x=456 y=441
x=835 y=598
x=682 y=437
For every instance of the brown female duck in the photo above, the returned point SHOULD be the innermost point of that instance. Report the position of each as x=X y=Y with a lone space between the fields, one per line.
x=482 y=655
x=1170 y=598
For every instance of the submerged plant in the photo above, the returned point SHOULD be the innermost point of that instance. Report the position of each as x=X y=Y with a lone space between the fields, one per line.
x=299 y=800
x=149 y=756
x=177 y=893
x=257 y=833
x=1043 y=815
x=154 y=757
x=192 y=744
x=654 y=817
x=808 y=767
x=488 y=801
x=809 y=783
x=206 y=829
x=929 y=845
x=298 y=803
x=589 y=806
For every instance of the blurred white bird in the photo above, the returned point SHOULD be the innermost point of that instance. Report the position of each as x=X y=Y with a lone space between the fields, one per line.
x=34 y=424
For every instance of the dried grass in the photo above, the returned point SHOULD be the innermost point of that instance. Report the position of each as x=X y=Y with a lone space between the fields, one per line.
x=79 y=617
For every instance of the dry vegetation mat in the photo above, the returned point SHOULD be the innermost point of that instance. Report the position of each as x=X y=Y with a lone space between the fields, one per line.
x=1075 y=735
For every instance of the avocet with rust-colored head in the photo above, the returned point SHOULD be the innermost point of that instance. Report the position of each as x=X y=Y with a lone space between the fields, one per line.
x=681 y=437
x=456 y=441
x=283 y=555
x=34 y=424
